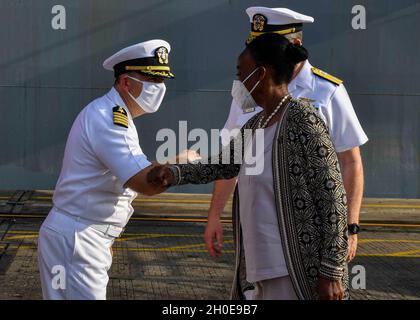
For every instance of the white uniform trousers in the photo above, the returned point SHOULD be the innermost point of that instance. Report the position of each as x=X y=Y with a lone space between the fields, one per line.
x=73 y=259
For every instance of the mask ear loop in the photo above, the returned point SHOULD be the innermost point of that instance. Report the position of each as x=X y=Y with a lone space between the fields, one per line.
x=256 y=85
x=129 y=93
x=143 y=82
x=247 y=78
x=137 y=80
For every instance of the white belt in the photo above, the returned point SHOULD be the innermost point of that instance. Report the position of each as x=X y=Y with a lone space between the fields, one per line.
x=106 y=229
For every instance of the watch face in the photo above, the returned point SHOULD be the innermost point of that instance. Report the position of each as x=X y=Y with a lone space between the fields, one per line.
x=354 y=228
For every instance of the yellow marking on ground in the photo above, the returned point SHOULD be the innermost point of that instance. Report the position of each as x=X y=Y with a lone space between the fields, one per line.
x=189 y=201
x=391 y=206
x=169 y=249
x=132 y=237
x=172 y=201
x=177 y=219
x=163 y=234
x=387 y=255
x=132 y=218
x=170 y=219
x=21 y=237
x=147 y=200
x=188 y=248
x=204 y=220
x=137 y=218
x=41 y=198
x=227 y=221
x=389 y=240
x=116 y=249
x=126 y=236
x=390 y=225
x=407 y=253
x=136 y=238
x=22 y=232
x=176 y=248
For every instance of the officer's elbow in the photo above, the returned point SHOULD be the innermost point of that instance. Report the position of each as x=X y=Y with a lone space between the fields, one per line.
x=141 y=188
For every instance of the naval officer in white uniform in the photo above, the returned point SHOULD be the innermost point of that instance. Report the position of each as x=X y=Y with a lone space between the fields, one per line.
x=103 y=169
x=328 y=95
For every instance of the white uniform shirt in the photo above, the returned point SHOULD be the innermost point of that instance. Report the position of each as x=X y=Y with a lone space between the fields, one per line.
x=100 y=157
x=331 y=100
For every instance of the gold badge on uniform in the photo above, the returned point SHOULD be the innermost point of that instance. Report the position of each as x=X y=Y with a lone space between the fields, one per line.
x=163 y=55
x=259 y=22
x=120 y=117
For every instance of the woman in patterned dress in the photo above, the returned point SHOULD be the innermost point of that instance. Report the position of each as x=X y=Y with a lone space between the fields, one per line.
x=290 y=209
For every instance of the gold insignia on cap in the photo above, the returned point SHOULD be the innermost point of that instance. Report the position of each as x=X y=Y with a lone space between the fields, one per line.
x=163 y=55
x=258 y=22
x=327 y=76
x=120 y=117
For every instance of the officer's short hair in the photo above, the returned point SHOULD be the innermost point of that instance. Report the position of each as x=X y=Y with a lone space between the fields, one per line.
x=294 y=36
x=117 y=77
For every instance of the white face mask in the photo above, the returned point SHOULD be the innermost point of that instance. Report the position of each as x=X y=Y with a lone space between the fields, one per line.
x=151 y=95
x=242 y=96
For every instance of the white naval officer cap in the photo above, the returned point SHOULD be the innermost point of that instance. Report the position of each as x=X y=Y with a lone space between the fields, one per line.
x=150 y=58
x=282 y=21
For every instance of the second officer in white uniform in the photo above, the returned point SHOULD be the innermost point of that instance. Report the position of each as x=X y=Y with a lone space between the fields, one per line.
x=103 y=169
x=328 y=95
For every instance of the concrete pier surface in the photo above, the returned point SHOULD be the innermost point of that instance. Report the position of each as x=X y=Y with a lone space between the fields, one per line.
x=161 y=255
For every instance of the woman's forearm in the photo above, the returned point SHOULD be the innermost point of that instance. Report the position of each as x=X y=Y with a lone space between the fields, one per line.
x=203 y=173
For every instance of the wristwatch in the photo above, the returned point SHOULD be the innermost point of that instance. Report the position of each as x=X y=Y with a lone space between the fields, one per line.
x=354 y=228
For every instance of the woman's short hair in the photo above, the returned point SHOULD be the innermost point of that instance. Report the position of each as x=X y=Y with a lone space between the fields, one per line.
x=278 y=53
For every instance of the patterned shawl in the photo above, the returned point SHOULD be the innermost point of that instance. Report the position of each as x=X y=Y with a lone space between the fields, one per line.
x=309 y=194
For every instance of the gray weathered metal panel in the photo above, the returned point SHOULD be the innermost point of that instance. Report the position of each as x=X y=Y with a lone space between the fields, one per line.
x=48 y=76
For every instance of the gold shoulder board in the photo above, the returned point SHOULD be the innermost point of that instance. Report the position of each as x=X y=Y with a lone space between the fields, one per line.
x=120 y=117
x=327 y=76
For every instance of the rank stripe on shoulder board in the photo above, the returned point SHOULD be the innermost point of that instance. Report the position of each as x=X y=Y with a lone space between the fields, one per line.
x=327 y=76
x=116 y=116
x=121 y=123
x=116 y=121
x=120 y=116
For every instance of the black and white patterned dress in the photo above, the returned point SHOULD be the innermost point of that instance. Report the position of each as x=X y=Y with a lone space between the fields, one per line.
x=310 y=199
